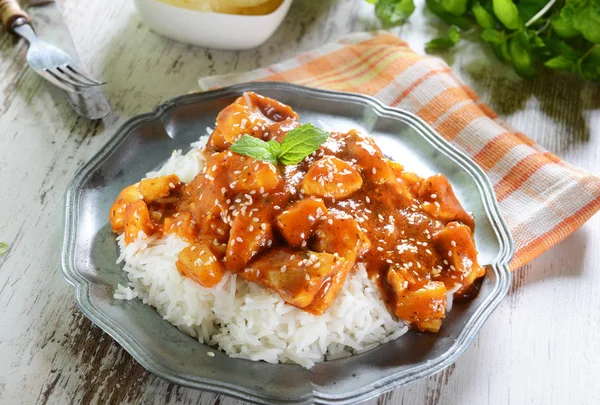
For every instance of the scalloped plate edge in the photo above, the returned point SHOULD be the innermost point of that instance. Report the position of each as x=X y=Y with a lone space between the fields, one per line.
x=466 y=336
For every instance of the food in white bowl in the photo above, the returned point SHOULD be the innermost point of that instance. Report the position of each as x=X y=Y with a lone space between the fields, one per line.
x=229 y=24
x=240 y=7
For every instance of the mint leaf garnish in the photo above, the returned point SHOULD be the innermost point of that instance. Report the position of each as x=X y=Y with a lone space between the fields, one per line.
x=258 y=149
x=296 y=145
x=301 y=142
x=3 y=248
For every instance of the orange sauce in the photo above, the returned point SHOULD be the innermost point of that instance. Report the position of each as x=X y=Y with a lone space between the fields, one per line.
x=299 y=229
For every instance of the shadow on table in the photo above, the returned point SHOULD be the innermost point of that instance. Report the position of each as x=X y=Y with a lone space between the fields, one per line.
x=562 y=97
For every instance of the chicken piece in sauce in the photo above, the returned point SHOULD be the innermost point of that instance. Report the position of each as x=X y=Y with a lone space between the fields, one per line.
x=299 y=230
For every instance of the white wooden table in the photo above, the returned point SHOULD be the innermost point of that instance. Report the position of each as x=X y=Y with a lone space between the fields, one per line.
x=541 y=346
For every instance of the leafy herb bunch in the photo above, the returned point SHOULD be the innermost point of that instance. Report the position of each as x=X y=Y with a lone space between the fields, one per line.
x=560 y=34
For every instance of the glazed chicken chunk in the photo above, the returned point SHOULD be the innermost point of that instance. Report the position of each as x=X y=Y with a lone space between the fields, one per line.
x=300 y=229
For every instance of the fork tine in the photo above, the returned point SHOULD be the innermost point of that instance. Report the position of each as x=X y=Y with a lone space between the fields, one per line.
x=52 y=79
x=61 y=76
x=77 y=78
x=78 y=71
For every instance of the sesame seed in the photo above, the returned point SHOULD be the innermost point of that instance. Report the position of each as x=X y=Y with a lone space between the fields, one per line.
x=374 y=170
x=255 y=219
x=307 y=277
x=449 y=253
x=434 y=196
x=210 y=354
x=428 y=251
x=453 y=243
x=283 y=268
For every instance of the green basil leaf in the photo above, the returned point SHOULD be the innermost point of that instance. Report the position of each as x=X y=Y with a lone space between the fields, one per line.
x=257 y=148
x=521 y=55
x=301 y=142
x=436 y=8
x=562 y=23
x=560 y=63
x=394 y=12
x=493 y=36
x=586 y=18
x=483 y=18
x=501 y=51
x=589 y=64
x=537 y=45
x=507 y=13
x=534 y=40
x=3 y=248
x=557 y=46
x=447 y=41
x=529 y=8
x=455 y=7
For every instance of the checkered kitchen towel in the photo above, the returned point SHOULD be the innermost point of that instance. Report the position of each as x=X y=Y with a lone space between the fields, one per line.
x=543 y=198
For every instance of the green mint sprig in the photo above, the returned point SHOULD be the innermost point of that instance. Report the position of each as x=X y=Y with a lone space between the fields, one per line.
x=295 y=146
x=558 y=34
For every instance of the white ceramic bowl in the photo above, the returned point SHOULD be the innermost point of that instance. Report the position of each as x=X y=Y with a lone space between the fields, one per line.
x=211 y=30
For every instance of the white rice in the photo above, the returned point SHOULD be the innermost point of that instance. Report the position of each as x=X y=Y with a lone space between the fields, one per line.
x=243 y=319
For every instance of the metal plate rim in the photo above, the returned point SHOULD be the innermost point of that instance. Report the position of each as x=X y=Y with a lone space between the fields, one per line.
x=467 y=335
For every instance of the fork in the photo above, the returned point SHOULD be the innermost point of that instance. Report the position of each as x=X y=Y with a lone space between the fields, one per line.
x=50 y=62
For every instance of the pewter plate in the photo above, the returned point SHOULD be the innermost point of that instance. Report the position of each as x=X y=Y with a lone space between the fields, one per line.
x=144 y=142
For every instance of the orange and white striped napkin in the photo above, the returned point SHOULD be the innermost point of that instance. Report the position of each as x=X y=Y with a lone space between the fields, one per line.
x=542 y=198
